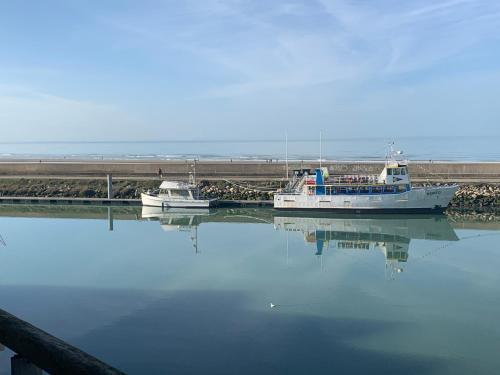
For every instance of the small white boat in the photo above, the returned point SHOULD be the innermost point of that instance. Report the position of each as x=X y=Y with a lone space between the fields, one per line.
x=176 y=194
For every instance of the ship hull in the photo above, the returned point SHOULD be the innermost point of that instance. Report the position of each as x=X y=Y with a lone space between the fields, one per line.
x=418 y=200
x=158 y=201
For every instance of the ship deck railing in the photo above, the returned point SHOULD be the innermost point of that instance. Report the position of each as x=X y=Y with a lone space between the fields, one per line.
x=348 y=180
x=334 y=189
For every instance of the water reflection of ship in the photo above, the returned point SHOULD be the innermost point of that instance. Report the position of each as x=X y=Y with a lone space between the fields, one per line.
x=390 y=235
x=177 y=219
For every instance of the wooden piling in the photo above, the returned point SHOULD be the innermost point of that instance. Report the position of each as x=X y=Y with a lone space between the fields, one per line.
x=110 y=186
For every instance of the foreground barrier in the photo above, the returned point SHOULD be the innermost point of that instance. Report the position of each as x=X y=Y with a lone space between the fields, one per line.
x=36 y=349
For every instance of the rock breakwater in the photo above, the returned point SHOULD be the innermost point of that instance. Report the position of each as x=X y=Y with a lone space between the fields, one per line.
x=240 y=191
x=468 y=197
x=476 y=197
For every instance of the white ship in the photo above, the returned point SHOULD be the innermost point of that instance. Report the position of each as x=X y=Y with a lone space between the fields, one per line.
x=389 y=192
x=176 y=194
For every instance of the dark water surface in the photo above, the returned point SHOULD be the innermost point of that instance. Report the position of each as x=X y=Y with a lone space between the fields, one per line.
x=191 y=292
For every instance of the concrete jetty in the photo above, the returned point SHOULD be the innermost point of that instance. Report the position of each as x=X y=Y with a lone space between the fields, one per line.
x=236 y=183
x=433 y=171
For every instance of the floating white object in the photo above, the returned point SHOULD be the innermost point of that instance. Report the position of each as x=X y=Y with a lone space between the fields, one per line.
x=271 y=305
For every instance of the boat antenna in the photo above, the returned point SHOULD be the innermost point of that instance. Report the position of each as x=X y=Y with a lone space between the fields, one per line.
x=390 y=152
x=286 y=153
x=320 y=149
x=194 y=171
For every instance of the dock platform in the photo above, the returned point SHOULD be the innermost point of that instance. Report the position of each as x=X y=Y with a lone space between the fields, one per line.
x=70 y=201
x=117 y=202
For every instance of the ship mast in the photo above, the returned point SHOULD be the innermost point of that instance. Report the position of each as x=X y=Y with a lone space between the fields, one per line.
x=286 y=154
x=320 y=149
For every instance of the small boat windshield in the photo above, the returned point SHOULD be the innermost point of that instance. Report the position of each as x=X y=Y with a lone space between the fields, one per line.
x=179 y=193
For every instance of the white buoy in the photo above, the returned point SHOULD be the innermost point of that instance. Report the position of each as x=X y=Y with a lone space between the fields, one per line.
x=271 y=305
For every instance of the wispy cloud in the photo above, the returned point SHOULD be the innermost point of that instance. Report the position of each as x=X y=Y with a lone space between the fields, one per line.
x=57 y=117
x=275 y=45
x=194 y=66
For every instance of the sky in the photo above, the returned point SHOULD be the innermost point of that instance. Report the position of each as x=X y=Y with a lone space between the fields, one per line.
x=233 y=69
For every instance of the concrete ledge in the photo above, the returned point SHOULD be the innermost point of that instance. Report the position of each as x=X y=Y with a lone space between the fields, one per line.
x=235 y=170
x=245 y=203
x=71 y=201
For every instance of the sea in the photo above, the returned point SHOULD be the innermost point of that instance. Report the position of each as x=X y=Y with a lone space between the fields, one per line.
x=253 y=291
x=452 y=148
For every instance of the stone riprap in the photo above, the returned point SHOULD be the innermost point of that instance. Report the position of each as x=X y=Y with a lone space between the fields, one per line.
x=477 y=197
x=73 y=188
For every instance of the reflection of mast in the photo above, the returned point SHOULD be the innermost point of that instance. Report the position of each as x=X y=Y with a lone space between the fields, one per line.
x=395 y=253
x=194 y=238
x=391 y=268
x=287 y=248
x=2 y=242
x=110 y=218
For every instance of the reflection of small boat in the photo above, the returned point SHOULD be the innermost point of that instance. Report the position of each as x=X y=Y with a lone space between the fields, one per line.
x=176 y=194
x=157 y=213
x=177 y=219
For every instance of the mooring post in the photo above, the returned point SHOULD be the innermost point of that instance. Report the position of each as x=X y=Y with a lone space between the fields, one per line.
x=110 y=219
x=21 y=366
x=110 y=186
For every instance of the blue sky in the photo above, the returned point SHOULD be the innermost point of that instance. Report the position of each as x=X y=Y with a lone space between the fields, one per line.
x=212 y=69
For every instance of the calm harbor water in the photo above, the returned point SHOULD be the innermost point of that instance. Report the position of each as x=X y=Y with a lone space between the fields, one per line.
x=480 y=148
x=191 y=292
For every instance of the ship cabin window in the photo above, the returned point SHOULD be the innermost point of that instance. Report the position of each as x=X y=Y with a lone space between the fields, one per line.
x=396 y=171
x=403 y=171
x=389 y=171
x=331 y=190
x=389 y=189
x=364 y=190
x=180 y=193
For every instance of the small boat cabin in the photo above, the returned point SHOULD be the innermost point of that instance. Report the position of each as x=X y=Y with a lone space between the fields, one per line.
x=178 y=190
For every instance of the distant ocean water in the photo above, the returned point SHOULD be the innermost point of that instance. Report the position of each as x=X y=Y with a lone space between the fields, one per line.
x=417 y=148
